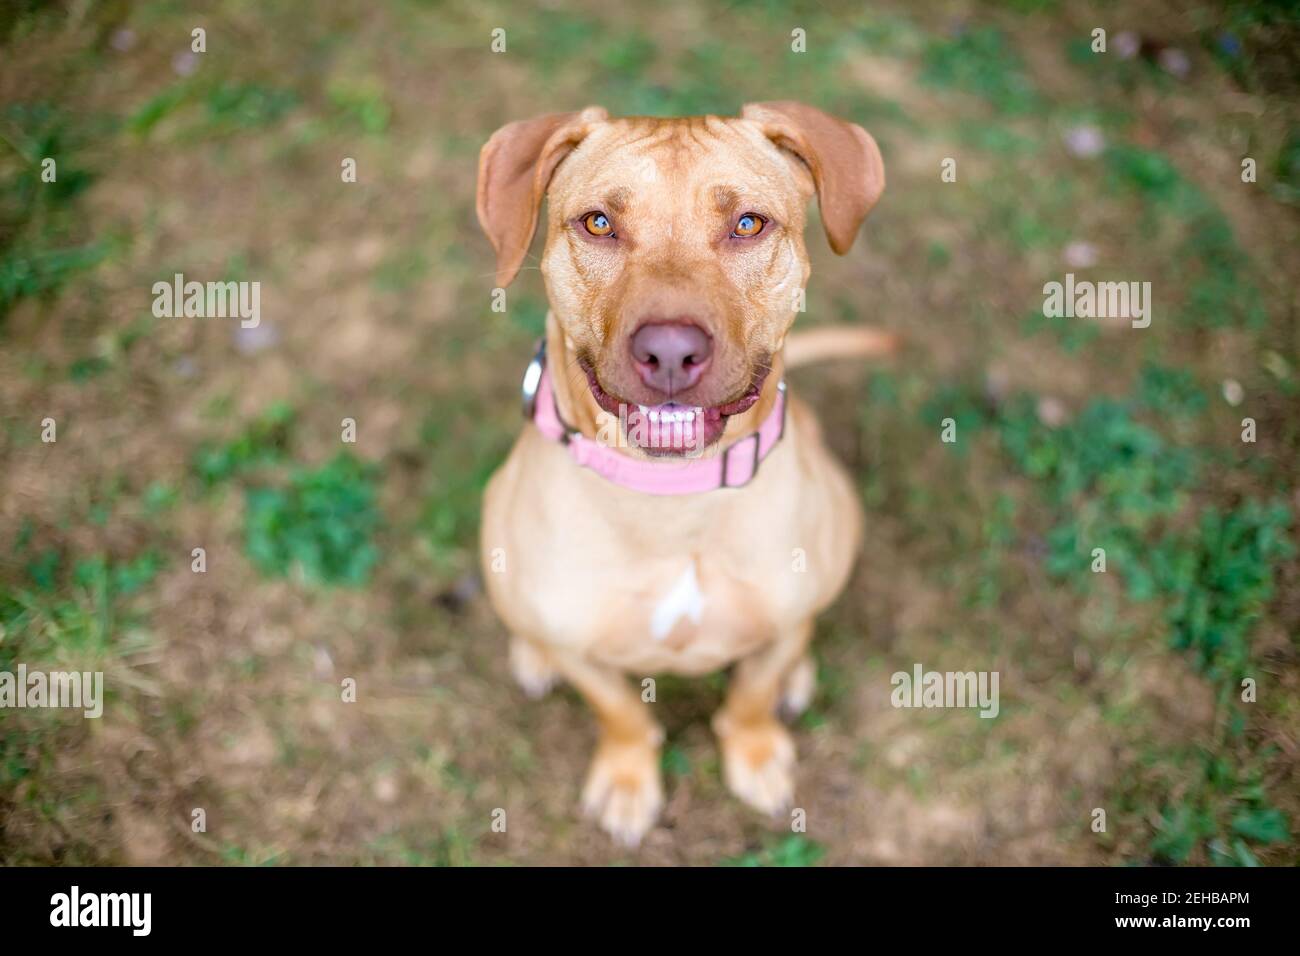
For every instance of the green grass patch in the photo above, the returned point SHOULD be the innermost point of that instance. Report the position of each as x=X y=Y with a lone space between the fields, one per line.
x=318 y=523
x=1223 y=818
x=1219 y=580
x=264 y=443
x=200 y=107
x=41 y=242
x=75 y=615
x=362 y=106
x=1218 y=289
x=793 y=850
x=981 y=61
x=63 y=614
x=321 y=523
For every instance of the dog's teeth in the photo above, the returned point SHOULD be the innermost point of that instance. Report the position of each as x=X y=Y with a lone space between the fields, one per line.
x=654 y=415
x=644 y=410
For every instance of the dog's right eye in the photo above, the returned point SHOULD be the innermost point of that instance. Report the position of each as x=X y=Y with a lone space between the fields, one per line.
x=598 y=224
x=749 y=226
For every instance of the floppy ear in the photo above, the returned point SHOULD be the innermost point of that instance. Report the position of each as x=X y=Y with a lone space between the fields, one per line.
x=843 y=158
x=514 y=168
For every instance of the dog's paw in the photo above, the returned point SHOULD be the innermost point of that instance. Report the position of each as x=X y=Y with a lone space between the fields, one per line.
x=799 y=688
x=531 y=668
x=758 y=764
x=624 y=792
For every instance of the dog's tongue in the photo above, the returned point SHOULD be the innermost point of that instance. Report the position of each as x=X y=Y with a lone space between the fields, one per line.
x=674 y=429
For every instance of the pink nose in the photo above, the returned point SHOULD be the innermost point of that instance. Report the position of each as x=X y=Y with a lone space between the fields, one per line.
x=671 y=357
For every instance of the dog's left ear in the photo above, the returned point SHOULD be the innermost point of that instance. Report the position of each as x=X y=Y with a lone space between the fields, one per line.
x=843 y=158
x=514 y=168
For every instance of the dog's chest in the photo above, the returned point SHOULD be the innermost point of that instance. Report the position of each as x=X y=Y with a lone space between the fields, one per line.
x=682 y=615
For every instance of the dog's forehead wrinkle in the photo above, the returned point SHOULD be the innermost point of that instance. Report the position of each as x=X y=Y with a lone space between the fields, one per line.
x=671 y=165
x=618 y=198
x=724 y=198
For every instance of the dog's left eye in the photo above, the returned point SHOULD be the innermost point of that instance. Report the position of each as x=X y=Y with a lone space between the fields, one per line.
x=598 y=224
x=748 y=226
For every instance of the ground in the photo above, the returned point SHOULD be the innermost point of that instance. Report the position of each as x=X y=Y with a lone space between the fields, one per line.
x=333 y=567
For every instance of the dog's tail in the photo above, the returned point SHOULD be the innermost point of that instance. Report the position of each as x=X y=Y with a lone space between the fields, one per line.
x=841 y=341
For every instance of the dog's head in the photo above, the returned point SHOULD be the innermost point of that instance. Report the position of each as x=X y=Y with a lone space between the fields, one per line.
x=675 y=260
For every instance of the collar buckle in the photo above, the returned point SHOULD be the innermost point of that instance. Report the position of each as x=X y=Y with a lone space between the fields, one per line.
x=726 y=460
x=532 y=380
x=757 y=437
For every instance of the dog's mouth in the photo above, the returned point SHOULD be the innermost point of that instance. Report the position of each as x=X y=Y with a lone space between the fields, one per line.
x=672 y=428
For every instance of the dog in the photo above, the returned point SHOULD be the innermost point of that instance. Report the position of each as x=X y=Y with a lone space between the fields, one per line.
x=670 y=508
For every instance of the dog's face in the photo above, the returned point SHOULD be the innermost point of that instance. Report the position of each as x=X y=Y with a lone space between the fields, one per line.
x=675 y=260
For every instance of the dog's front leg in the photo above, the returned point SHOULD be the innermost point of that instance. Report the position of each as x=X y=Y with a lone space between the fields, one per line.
x=624 y=790
x=757 y=751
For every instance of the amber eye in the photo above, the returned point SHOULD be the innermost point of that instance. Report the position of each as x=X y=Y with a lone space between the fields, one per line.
x=598 y=224
x=749 y=225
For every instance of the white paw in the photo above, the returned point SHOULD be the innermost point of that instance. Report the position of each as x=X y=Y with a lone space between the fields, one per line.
x=624 y=792
x=758 y=765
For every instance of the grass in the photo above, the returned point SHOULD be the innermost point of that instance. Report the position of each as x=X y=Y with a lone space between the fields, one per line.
x=982 y=62
x=1121 y=689
x=40 y=183
x=1221 y=291
x=81 y=615
x=321 y=524
x=1112 y=479
x=793 y=850
x=78 y=618
x=199 y=108
x=264 y=443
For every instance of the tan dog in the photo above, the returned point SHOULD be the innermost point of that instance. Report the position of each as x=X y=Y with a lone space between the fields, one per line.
x=675 y=265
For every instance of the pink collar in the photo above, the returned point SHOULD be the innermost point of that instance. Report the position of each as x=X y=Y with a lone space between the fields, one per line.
x=734 y=467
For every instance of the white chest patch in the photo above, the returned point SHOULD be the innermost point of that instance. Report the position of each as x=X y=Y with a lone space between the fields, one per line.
x=682 y=600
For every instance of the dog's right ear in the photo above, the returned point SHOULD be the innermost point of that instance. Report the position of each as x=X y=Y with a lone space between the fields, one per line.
x=514 y=170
